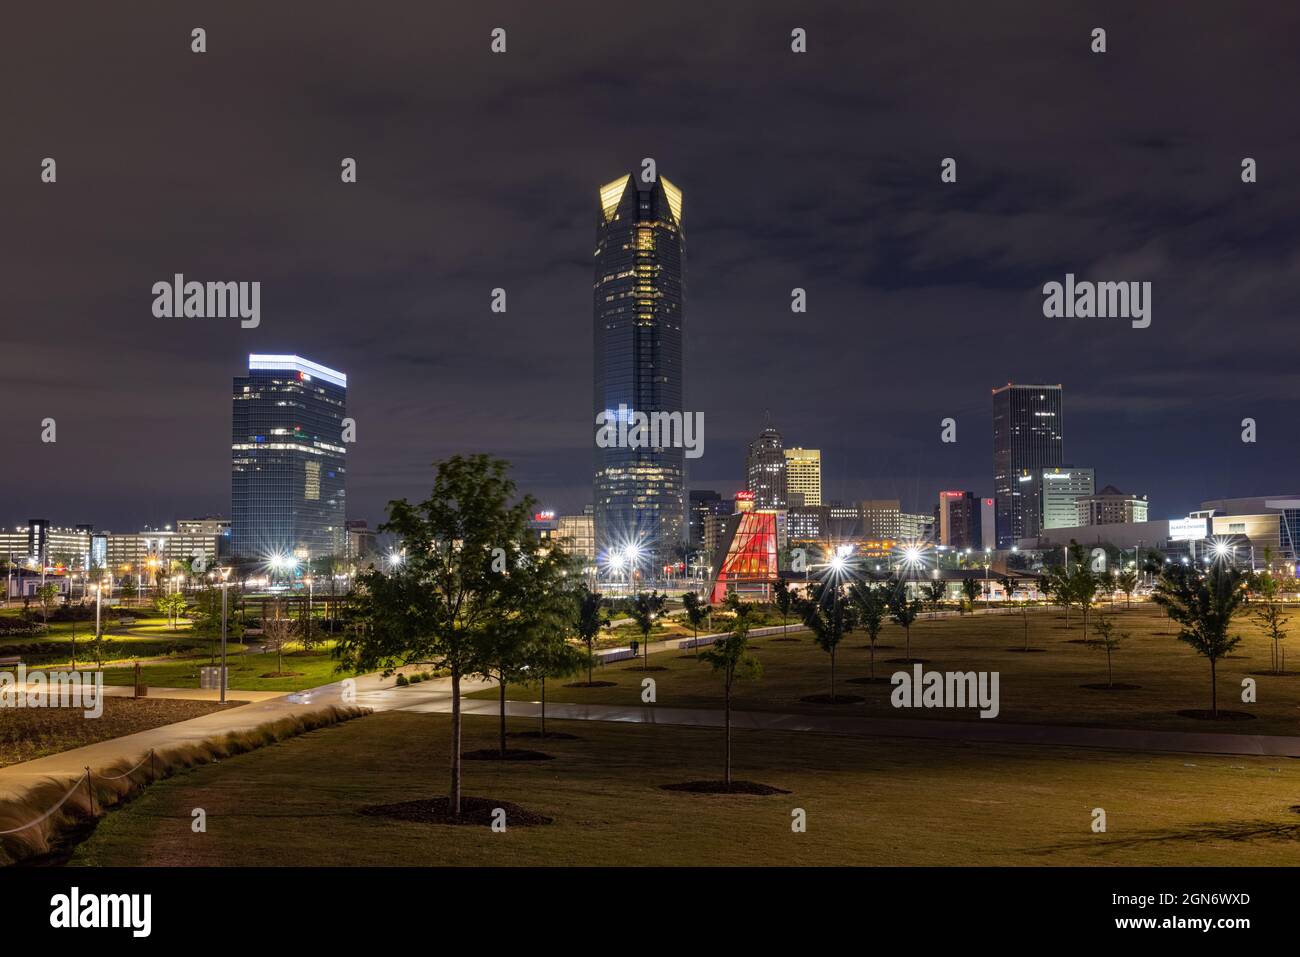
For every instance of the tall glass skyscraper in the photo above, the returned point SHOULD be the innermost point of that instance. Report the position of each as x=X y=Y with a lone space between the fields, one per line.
x=765 y=470
x=639 y=493
x=288 y=472
x=1026 y=438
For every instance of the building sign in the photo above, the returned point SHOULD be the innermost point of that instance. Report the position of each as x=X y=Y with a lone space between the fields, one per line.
x=1187 y=529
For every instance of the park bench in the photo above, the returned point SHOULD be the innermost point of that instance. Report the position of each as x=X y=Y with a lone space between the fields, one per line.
x=12 y=660
x=126 y=622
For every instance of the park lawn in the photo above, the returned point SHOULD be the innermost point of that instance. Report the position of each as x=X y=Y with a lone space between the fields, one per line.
x=868 y=801
x=1035 y=688
x=27 y=734
x=246 y=671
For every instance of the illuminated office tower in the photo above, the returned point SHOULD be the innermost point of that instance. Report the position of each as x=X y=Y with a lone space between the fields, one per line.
x=639 y=493
x=765 y=470
x=803 y=476
x=1026 y=438
x=287 y=460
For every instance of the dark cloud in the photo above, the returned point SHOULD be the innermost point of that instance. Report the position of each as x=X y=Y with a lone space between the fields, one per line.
x=479 y=171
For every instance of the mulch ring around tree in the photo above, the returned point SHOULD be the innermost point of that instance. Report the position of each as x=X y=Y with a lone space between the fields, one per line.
x=282 y=674
x=1025 y=650
x=1205 y=715
x=881 y=680
x=473 y=810
x=832 y=699
x=1276 y=674
x=511 y=754
x=591 y=684
x=648 y=668
x=786 y=638
x=721 y=787
x=1117 y=686
x=557 y=735
x=907 y=661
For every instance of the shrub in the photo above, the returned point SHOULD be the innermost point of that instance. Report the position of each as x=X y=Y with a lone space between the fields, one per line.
x=402 y=681
x=416 y=679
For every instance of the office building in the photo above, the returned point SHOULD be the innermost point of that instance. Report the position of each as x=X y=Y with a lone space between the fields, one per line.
x=288 y=471
x=1026 y=438
x=638 y=295
x=577 y=535
x=803 y=476
x=958 y=520
x=765 y=470
x=1050 y=496
x=1110 y=506
x=703 y=503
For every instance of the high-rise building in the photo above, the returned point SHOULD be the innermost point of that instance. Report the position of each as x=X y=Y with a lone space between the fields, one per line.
x=1110 y=506
x=881 y=518
x=803 y=476
x=705 y=502
x=1026 y=437
x=959 y=520
x=577 y=535
x=638 y=293
x=765 y=470
x=1054 y=494
x=288 y=467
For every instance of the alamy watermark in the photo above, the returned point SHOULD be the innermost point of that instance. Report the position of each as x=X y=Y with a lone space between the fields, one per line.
x=946 y=689
x=1104 y=300
x=53 y=689
x=629 y=429
x=179 y=299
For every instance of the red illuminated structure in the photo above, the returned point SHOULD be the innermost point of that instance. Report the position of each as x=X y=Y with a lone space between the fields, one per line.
x=747 y=556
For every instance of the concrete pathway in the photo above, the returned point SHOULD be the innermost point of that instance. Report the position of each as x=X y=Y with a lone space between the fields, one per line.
x=268 y=706
x=436 y=699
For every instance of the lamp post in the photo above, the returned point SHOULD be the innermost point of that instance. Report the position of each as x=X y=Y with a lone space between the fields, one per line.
x=225 y=575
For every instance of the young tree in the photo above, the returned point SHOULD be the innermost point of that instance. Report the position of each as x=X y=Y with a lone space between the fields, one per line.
x=871 y=607
x=588 y=622
x=824 y=615
x=1109 y=641
x=1127 y=580
x=46 y=595
x=1059 y=584
x=1268 y=612
x=697 y=612
x=970 y=589
x=730 y=656
x=445 y=599
x=935 y=592
x=128 y=590
x=646 y=607
x=278 y=630
x=1203 y=607
x=537 y=612
x=903 y=610
x=784 y=599
x=1084 y=584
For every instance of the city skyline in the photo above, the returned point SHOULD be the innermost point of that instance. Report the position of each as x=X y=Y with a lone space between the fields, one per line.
x=391 y=277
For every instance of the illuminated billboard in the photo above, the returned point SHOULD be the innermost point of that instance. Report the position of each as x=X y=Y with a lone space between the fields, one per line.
x=1188 y=529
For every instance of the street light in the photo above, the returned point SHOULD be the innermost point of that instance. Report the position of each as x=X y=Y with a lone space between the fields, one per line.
x=225 y=575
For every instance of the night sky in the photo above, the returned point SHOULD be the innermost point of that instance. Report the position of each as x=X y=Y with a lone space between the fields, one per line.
x=818 y=170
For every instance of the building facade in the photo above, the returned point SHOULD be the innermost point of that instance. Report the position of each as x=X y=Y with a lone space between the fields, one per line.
x=1110 y=506
x=1026 y=438
x=1051 y=495
x=803 y=476
x=958 y=515
x=288 y=470
x=638 y=296
x=765 y=470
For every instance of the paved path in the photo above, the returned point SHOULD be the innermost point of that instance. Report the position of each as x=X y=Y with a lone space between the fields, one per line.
x=436 y=698
x=270 y=706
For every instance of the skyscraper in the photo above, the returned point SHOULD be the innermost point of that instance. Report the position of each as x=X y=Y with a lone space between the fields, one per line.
x=287 y=460
x=1026 y=437
x=803 y=476
x=765 y=470
x=639 y=493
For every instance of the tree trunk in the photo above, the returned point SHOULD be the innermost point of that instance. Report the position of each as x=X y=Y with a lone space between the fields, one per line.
x=1110 y=678
x=908 y=640
x=503 y=713
x=543 y=706
x=453 y=797
x=1214 y=691
x=591 y=655
x=873 y=659
x=727 y=774
x=832 y=674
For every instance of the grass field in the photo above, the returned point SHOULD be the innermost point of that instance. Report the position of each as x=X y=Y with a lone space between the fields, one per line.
x=1035 y=687
x=867 y=801
x=29 y=734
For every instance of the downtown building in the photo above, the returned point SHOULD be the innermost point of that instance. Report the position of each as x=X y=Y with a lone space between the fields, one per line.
x=1026 y=439
x=638 y=293
x=288 y=472
x=765 y=473
x=803 y=476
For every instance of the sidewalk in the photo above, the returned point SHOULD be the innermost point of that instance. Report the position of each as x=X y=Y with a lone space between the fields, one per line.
x=268 y=706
